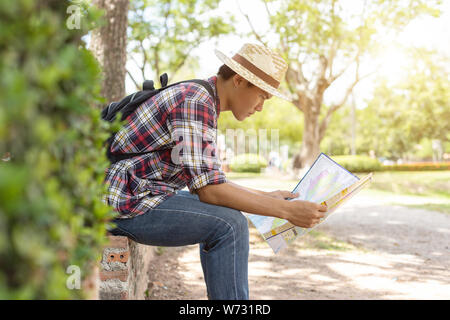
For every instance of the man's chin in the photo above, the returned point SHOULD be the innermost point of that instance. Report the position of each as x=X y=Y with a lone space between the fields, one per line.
x=241 y=118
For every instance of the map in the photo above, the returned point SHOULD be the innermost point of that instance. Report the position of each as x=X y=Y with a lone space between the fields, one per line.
x=325 y=182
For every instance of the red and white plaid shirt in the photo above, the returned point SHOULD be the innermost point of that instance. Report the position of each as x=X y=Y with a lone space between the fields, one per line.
x=179 y=126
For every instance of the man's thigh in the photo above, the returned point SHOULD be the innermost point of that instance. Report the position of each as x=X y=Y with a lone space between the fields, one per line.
x=181 y=220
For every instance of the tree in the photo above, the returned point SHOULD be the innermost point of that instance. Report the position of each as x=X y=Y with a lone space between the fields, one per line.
x=401 y=114
x=164 y=33
x=320 y=36
x=109 y=44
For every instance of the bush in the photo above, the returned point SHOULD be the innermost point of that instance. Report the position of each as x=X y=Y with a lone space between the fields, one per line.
x=358 y=163
x=51 y=210
x=418 y=166
x=248 y=162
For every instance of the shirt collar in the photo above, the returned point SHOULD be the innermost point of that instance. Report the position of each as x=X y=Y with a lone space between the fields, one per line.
x=213 y=81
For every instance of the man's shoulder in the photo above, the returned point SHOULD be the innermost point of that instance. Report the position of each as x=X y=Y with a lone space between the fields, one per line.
x=198 y=89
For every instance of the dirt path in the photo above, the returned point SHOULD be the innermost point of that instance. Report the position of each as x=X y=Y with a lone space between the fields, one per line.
x=369 y=249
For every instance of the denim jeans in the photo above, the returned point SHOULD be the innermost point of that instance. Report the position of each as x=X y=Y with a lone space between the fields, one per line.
x=222 y=233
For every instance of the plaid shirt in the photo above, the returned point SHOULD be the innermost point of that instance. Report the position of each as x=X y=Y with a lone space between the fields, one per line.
x=179 y=126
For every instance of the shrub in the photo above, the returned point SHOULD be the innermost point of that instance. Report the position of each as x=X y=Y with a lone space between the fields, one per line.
x=248 y=162
x=418 y=166
x=358 y=163
x=51 y=213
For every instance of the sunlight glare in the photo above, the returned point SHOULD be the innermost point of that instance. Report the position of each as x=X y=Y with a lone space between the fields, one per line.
x=393 y=63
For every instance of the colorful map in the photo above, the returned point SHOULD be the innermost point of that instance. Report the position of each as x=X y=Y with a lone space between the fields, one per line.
x=325 y=180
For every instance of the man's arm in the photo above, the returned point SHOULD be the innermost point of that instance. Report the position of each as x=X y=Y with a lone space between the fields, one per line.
x=262 y=193
x=279 y=194
x=304 y=214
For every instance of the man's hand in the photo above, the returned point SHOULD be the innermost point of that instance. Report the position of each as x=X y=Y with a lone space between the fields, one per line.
x=282 y=194
x=304 y=214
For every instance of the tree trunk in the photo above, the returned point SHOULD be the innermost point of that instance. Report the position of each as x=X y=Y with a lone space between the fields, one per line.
x=108 y=44
x=310 y=148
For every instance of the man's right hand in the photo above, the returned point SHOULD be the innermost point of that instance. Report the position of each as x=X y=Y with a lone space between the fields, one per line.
x=304 y=214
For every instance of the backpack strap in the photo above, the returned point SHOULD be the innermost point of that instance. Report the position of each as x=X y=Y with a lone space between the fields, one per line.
x=206 y=85
x=148 y=86
x=163 y=78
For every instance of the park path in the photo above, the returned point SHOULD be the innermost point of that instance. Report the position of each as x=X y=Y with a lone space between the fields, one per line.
x=369 y=249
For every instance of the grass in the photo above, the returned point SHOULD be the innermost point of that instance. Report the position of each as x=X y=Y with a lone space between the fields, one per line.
x=425 y=184
x=421 y=183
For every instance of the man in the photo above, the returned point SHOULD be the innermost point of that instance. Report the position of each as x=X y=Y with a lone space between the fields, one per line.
x=179 y=126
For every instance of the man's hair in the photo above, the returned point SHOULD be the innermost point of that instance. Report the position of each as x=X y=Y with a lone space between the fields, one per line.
x=226 y=73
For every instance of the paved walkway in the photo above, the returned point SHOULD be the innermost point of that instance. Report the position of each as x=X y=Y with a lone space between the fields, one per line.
x=369 y=249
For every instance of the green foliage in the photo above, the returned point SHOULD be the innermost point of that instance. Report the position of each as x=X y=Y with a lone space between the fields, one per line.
x=315 y=37
x=404 y=114
x=338 y=136
x=358 y=163
x=277 y=114
x=248 y=162
x=425 y=149
x=164 y=33
x=51 y=209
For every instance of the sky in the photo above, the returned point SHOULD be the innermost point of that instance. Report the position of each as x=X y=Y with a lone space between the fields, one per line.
x=429 y=32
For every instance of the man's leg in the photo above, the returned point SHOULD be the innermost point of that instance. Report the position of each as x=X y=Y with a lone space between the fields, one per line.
x=221 y=232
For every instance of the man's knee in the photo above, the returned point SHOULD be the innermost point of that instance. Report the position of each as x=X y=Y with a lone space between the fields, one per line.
x=239 y=223
x=233 y=227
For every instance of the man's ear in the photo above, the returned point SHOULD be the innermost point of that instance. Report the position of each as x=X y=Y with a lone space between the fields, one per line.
x=238 y=80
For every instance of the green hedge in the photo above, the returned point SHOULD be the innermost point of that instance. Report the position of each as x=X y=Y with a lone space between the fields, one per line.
x=418 y=166
x=358 y=163
x=51 y=213
x=248 y=162
x=368 y=164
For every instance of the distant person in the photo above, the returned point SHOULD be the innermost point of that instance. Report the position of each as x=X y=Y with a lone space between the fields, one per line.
x=274 y=160
x=180 y=126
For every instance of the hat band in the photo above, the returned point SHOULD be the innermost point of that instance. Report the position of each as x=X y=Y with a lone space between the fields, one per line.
x=256 y=71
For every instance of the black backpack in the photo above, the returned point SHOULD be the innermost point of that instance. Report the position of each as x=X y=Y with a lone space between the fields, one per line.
x=130 y=103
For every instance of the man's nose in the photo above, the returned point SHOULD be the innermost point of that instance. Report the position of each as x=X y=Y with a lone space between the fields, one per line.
x=259 y=107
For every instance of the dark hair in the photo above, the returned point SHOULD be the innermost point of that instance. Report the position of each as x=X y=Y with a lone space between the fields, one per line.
x=226 y=73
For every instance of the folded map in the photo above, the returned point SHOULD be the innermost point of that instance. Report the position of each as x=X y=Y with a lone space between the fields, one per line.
x=326 y=182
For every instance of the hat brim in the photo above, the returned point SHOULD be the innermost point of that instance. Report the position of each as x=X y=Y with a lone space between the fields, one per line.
x=249 y=76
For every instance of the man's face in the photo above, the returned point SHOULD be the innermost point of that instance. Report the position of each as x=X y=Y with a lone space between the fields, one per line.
x=247 y=100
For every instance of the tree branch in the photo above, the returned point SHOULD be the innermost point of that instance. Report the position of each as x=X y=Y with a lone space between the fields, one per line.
x=183 y=61
x=335 y=107
x=135 y=82
x=137 y=64
x=144 y=62
x=332 y=55
x=258 y=37
x=322 y=82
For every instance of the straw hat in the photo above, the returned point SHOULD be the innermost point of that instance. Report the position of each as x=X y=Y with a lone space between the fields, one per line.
x=259 y=65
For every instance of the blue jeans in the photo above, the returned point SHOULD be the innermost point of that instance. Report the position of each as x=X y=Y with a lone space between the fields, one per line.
x=222 y=233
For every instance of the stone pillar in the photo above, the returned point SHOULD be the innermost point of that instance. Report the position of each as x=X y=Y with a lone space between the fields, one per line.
x=123 y=270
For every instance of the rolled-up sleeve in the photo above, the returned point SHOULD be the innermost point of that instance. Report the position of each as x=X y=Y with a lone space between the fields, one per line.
x=193 y=126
